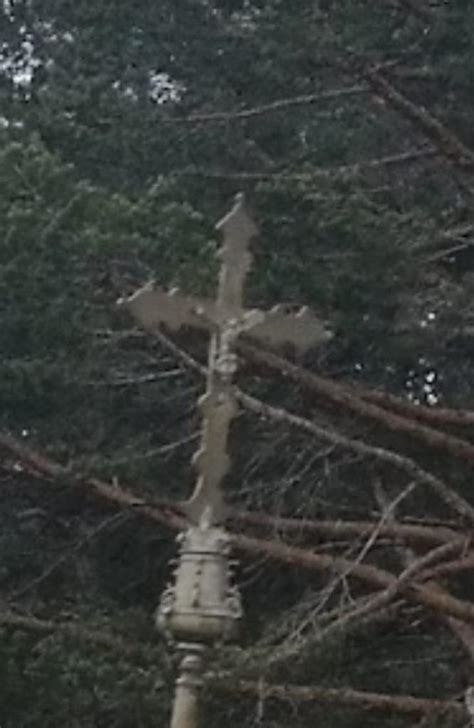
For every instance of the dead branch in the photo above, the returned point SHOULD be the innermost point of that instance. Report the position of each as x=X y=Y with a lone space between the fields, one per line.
x=400 y=462
x=420 y=12
x=446 y=141
x=303 y=558
x=466 y=563
x=413 y=7
x=387 y=595
x=416 y=534
x=463 y=631
x=342 y=396
x=274 y=656
x=367 y=607
x=406 y=704
x=168 y=513
x=405 y=464
x=68 y=555
x=437 y=415
x=101 y=638
x=274 y=551
x=224 y=117
x=35 y=462
x=343 y=696
x=345 y=171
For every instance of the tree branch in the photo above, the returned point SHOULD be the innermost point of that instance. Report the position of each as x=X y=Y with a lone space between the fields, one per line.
x=115 y=495
x=343 y=172
x=367 y=607
x=400 y=462
x=38 y=464
x=414 y=7
x=383 y=598
x=463 y=631
x=406 y=704
x=445 y=140
x=102 y=638
x=368 y=573
x=274 y=551
x=343 y=696
x=342 y=396
x=416 y=534
x=436 y=415
x=405 y=464
x=242 y=114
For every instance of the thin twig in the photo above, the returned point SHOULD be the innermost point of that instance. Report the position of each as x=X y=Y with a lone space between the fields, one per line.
x=386 y=595
x=406 y=704
x=102 y=638
x=294 y=101
x=343 y=396
x=272 y=550
x=401 y=462
x=346 y=171
x=446 y=141
x=46 y=573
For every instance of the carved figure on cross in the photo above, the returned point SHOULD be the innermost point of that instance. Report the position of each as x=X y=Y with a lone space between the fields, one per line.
x=227 y=319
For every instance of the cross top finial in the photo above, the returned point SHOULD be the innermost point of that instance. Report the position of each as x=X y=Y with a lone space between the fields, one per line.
x=228 y=319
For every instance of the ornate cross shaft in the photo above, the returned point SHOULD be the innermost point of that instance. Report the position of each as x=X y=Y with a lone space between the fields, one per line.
x=226 y=318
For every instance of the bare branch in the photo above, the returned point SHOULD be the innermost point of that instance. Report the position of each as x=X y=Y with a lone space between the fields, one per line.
x=342 y=696
x=346 y=171
x=342 y=395
x=35 y=462
x=405 y=464
x=441 y=254
x=466 y=563
x=446 y=141
x=405 y=704
x=415 y=8
x=463 y=631
x=294 y=101
x=303 y=558
x=274 y=551
x=387 y=595
x=64 y=558
x=39 y=464
x=135 y=456
x=436 y=415
x=101 y=637
x=416 y=534
x=136 y=381
x=366 y=608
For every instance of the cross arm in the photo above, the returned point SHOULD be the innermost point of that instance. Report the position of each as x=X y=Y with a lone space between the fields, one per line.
x=303 y=329
x=152 y=306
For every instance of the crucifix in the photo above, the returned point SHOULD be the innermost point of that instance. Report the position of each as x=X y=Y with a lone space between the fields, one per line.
x=202 y=607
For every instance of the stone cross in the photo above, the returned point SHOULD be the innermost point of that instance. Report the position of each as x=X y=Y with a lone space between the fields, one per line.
x=227 y=319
